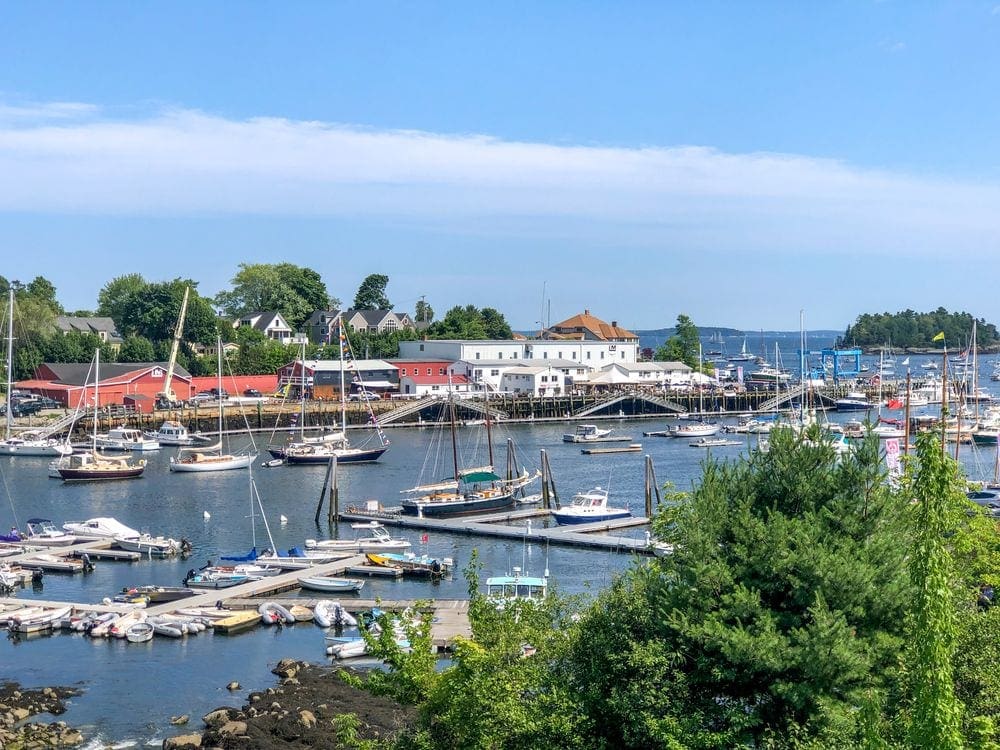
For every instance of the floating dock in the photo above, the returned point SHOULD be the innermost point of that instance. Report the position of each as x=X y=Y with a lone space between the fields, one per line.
x=633 y=448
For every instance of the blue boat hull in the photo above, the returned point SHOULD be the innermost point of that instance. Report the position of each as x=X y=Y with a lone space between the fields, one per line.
x=609 y=516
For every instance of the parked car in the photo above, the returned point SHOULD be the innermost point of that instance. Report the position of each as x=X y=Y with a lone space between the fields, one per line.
x=251 y=393
x=203 y=397
x=363 y=396
x=218 y=393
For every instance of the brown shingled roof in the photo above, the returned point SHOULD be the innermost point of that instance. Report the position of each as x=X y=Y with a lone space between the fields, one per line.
x=607 y=331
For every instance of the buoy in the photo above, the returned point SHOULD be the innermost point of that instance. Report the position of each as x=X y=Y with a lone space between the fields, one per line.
x=206 y=515
x=283 y=519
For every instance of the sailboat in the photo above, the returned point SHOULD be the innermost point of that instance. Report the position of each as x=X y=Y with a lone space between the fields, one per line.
x=211 y=458
x=94 y=466
x=319 y=450
x=744 y=355
x=469 y=490
x=26 y=444
x=699 y=428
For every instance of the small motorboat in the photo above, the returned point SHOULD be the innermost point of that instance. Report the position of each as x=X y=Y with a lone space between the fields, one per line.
x=328 y=613
x=332 y=585
x=148 y=546
x=211 y=580
x=139 y=632
x=43 y=532
x=589 y=507
x=379 y=541
x=102 y=527
x=714 y=442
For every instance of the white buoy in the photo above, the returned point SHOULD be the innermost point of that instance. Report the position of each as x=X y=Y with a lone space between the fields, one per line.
x=206 y=515
x=283 y=520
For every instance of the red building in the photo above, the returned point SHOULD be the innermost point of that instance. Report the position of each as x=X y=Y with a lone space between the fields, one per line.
x=73 y=383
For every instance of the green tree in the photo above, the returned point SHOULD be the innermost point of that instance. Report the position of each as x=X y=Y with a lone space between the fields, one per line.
x=136 y=349
x=936 y=712
x=118 y=299
x=683 y=346
x=371 y=293
x=294 y=291
x=470 y=323
x=423 y=313
x=780 y=608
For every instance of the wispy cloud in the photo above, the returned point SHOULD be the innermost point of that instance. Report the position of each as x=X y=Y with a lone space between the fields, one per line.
x=71 y=158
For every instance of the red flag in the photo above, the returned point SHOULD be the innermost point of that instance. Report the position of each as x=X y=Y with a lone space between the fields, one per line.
x=423 y=538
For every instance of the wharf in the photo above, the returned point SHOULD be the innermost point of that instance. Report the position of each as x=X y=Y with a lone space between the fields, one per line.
x=580 y=535
x=69 y=559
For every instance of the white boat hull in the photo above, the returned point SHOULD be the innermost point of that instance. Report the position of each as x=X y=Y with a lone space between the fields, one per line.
x=213 y=463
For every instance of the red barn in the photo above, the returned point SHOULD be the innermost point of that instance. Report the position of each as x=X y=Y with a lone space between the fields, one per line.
x=71 y=383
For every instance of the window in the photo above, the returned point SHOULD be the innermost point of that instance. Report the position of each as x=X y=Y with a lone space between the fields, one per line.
x=428 y=370
x=477 y=355
x=402 y=371
x=494 y=373
x=602 y=355
x=588 y=355
x=435 y=388
x=623 y=355
x=440 y=371
x=545 y=378
x=514 y=355
x=421 y=347
x=391 y=325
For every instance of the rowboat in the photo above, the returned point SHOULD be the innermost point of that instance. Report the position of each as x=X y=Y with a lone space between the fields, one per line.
x=331 y=585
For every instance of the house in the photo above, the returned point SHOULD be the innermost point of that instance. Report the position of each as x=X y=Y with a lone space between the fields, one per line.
x=322 y=377
x=229 y=349
x=535 y=381
x=586 y=327
x=72 y=383
x=488 y=374
x=322 y=324
x=421 y=385
x=104 y=328
x=271 y=324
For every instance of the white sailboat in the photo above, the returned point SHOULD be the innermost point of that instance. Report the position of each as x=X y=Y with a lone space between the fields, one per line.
x=320 y=450
x=212 y=457
x=26 y=444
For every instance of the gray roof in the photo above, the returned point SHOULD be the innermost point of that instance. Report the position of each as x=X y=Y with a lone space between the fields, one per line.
x=535 y=362
x=77 y=373
x=88 y=325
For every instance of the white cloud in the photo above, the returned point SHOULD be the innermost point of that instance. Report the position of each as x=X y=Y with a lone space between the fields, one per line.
x=71 y=158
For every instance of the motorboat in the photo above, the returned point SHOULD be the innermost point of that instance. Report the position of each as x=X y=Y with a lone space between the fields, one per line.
x=172 y=432
x=94 y=466
x=695 y=430
x=101 y=527
x=408 y=562
x=589 y=507
x=42 y=531
x=854 y=401
x=331 y=585
x=148 y=546
x=210 y=580
x=126 y=439
x=708 y=442
x=328 y=613
x=160 y=594
x=586 y=433
x=516 y=587
x=28 y=445
x=379 y=541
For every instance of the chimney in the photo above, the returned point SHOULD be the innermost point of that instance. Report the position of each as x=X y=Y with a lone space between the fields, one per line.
x=614 y=323
x=586 y=311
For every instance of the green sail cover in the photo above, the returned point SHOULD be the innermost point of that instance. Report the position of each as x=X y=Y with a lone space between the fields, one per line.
x=480 y=476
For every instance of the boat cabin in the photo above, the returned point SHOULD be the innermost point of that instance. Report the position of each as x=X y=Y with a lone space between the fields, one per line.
x=507 y=588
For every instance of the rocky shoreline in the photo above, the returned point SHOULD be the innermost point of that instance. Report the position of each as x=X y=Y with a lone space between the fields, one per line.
x=311 y=707
x=18 y=706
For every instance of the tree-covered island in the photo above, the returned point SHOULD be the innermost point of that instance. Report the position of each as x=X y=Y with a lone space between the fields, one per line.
x=913 y=330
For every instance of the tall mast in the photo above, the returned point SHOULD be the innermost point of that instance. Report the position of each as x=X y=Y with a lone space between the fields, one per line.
x=454 y=442
x=489 y=432
x=97 y=397
x=10 y=360
x=218 y=347
x=343 y=396
x=302 y=390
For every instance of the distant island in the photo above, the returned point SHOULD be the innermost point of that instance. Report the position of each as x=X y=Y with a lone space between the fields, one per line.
x=913 y=330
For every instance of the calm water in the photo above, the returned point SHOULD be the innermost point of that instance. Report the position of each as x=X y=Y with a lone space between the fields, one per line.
x=130 y=691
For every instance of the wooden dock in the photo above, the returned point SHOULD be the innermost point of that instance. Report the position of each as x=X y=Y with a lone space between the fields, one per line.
x=487 y=525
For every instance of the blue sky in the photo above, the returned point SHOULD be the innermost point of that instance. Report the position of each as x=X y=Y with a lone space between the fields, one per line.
x=736 y=162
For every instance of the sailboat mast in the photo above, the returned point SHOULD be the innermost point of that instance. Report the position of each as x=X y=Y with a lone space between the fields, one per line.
x=454 y=442
x=218 y=349
x=10 y=361
x=302 y=390
x=97 y=397
x=489 y=432
x=343 y=396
